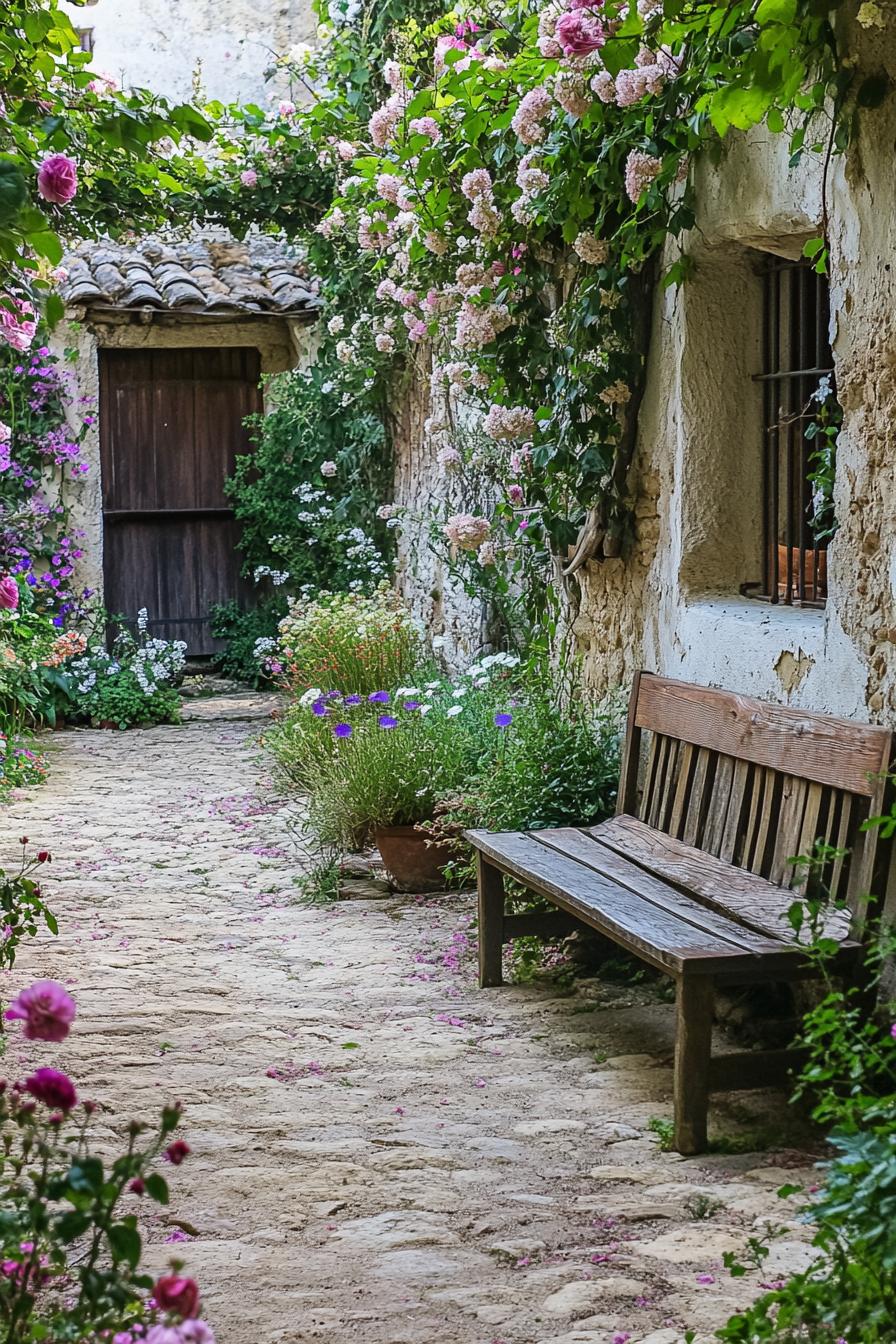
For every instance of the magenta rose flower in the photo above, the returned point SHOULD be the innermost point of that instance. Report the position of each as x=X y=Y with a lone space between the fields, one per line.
x=9 y=593
x=580 y=33
x=53 y=1088
x=175 y=1293
x=46 y=1009
x=57 y=179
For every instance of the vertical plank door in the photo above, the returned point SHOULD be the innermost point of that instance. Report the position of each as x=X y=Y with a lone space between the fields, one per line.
x=171 y=426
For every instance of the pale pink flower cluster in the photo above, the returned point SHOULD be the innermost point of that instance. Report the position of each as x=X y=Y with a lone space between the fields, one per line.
x=520 y=460
x=470 y=277
x=449 y=459
x=516 y=494
x=328 y=469
x=487 y=554
x=528 y=119
x=591 y=249
x=479 y=326
x=548 y=45
x=346 y=150
x=435 y=242
x=485 y=217
x=456 y=373
x=447 y=43
x=17 y=322
x=478 y=182
x=467 y=531
x=345 y=352
x=286 y=108
x=530 y=179
x=336 y=324
x=332 y=223
x=509 y=422
x=384 y=121
x=571 y=93
x=427 y=126
x=392 y=74
x=372 y=239
x=633 y=85
x=416 y=328
x=641 y=169
x=5 y=433
x=384 y=343
x=249 y=178
x=616 y=394
x=389 y=186
x=604 y=85
x=387 y=511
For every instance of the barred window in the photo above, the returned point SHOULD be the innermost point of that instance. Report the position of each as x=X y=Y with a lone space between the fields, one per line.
x=801 y=420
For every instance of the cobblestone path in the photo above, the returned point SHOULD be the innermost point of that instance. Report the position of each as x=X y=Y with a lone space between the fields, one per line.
x=382 y=1154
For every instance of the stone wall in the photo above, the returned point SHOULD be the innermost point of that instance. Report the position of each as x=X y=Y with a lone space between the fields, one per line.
x=673 y=604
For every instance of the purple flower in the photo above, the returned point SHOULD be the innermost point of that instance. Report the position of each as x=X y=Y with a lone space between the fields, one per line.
x=46 y=1009
x=706 y=1278
x=379 y=698
x=343 y=730
x=386 y=721
x=319 y=708
x=412 y=704
x=352 y=700
x=503 y=720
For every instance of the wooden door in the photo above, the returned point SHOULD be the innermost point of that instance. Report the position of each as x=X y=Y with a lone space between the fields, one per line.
x=171 y=425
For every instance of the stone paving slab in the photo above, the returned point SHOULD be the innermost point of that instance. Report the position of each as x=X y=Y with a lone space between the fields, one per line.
x=382 y=1153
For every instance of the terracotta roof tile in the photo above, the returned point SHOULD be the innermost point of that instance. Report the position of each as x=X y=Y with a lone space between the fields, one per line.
x=200 y=275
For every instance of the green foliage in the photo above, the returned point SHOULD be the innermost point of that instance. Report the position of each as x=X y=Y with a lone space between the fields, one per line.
x=249 y=635
x=850 y=1292
x=23 y=909
x=350 y=643
x=294 y=519
x=53 y=103
x=134 y=686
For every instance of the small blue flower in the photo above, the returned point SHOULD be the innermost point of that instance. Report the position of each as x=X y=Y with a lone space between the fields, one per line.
x=319 y=708
x=352 y=700
x=379 y=698
x=503 y=720
x=343 y=730
x=386 y=721
x=412 y=704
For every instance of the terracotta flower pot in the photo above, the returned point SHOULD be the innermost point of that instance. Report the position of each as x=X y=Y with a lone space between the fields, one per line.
x=416 y=864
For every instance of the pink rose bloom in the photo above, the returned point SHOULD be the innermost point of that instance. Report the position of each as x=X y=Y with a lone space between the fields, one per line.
x=46 y=1009
x=9 y=593
x=164 y=1334
x=53 y=1088
x=17 y=323
x=57 y=179
x=249 y=178
x=580 y=33
x=175 y=1292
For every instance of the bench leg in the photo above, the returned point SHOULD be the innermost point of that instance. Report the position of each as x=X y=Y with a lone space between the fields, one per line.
x=491 y=925
x=693 y=1046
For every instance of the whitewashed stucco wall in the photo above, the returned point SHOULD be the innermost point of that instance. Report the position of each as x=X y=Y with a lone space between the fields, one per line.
x=167 y=45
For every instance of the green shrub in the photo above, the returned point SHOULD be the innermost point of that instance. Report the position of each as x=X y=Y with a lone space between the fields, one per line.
x=250 y=636
x=350 y=643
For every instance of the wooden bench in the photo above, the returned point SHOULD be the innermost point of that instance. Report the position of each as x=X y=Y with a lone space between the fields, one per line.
x=692 y=875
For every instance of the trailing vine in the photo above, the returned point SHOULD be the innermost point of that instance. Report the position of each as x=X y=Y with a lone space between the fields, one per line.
x=510 y=200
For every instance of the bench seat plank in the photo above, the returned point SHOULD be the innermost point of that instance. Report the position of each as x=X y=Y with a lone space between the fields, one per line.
x=585 y=846
x=741 y=896
x=678 y=943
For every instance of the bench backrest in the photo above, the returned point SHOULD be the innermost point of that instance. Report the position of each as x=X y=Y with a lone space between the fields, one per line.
x=755 y=783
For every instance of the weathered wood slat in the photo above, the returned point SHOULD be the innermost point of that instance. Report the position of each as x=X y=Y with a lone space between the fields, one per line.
x=711 y=839
x=703 y=775
x=788 y=829
x=585 y=847
x=682 y=789
x=744 y=897
x=816 y=747
x=733 y=833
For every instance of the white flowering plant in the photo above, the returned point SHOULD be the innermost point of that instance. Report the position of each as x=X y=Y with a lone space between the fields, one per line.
x=132 y=684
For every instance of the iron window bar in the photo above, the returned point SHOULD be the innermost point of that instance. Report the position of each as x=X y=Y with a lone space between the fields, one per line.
x=796 y=356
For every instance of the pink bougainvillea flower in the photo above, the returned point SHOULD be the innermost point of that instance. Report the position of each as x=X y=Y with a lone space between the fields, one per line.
x=57 y=179
x=46 y=1009
x=175 y=1293
x=53 y=1088
x=9 y=593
